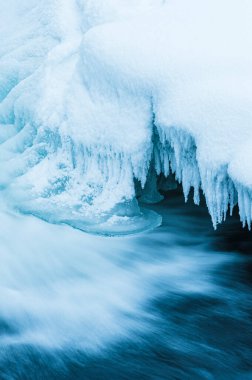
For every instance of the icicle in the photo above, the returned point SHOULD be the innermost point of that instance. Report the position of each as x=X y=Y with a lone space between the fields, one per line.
x=150 y=193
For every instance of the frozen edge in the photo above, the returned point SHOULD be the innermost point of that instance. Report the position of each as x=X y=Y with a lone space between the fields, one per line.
x=172 y=151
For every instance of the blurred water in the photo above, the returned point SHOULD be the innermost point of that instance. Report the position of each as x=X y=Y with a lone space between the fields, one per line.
x=174 y=303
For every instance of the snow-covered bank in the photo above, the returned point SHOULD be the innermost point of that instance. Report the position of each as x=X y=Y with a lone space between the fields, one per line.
x=95 y=92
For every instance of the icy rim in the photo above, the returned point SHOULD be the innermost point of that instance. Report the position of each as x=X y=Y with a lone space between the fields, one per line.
x=173 y=152
x=97 y=96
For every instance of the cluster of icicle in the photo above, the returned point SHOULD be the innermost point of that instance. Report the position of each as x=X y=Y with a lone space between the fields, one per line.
x=175 y=152
x=172 y=151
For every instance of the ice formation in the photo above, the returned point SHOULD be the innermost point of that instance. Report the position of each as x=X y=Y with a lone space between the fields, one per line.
x=96 y=95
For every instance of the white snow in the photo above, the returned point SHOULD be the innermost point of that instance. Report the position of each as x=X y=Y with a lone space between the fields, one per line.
x=93 y=91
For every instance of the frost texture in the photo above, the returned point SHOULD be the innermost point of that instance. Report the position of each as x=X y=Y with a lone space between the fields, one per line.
x=95 y=95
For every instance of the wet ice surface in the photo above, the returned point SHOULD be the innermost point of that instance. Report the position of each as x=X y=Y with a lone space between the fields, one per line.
x=174 y=303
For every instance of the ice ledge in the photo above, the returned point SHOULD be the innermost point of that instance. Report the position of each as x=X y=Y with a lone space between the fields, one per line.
x=93 y=189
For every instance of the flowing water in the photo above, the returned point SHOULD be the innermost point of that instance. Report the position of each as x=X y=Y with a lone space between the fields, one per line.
x=173 y=303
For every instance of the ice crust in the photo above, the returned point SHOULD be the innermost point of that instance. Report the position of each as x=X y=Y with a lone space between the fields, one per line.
x=96 y=94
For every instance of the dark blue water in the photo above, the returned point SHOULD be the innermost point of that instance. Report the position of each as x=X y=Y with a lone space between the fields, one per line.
x=174 y=303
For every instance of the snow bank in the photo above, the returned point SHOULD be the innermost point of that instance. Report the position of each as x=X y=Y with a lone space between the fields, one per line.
x=94 y=93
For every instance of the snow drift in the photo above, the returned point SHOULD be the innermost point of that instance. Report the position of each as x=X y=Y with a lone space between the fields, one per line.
x=97 y=94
